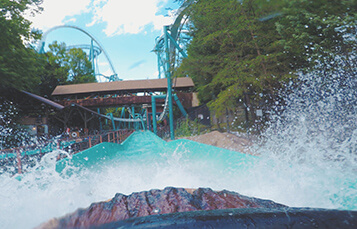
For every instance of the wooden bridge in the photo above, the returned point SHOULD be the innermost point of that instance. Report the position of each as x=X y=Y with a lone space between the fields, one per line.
x=88 y=99
x=119 y=93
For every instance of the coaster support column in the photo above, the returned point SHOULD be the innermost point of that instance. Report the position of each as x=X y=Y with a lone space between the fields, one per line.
x=169 y=83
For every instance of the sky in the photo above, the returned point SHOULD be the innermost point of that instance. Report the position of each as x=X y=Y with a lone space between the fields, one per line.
x=126 y=29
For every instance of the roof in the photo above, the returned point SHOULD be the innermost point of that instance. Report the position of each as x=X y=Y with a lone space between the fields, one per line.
x=133 y=86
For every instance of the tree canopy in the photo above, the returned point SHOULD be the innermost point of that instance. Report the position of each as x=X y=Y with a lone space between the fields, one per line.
x=315 y=31
x=19 y=63
x=245 y=51
x=65 y=66
x=21 y=67
x=233 y=55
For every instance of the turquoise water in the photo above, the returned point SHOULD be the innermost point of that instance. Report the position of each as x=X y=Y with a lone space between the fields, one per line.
x=145 y=147
x=147 y=159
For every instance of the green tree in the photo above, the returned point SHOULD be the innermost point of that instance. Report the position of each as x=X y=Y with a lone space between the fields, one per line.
x=314 y=32
x=246 y=51
x=80 y=68
x=19 y=63
x=65 y=66
x=52 y=76
x=74 y=61
x=233 y=55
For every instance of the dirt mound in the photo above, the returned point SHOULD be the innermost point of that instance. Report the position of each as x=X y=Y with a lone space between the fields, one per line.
x=235 y=142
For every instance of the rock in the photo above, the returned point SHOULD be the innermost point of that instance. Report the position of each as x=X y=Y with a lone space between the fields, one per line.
x=154 y=202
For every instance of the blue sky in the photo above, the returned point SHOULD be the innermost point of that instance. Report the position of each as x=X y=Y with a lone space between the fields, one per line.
x=125 y=28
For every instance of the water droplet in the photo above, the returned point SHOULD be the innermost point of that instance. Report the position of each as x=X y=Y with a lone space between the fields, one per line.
x=156 y=210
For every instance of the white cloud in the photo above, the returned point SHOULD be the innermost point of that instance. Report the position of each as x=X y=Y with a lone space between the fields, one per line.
x=56 y=11
x=123 y=16
x=154 y=75
x=120 y=16
x=70 y=20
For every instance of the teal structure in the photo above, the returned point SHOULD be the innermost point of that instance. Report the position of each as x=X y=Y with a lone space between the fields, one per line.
x=169 y=51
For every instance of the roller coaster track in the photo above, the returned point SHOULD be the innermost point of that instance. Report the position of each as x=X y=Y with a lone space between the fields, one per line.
x=41 y=45
x=176 y=31
x=96 y=50
x=166 y=56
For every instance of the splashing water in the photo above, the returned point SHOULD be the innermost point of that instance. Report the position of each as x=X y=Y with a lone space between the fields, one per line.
x=309 y=153
x=307 y=159
x=144 y=162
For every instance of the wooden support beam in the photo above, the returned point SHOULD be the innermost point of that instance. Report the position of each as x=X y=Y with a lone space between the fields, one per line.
x=19 y=164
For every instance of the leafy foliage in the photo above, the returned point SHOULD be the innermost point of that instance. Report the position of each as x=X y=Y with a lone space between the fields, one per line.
x=185 y=128
x=19 y=63
x=74 y=61
x=233 y=55
x=65 y=67
x=245 y=51
x=313 y=32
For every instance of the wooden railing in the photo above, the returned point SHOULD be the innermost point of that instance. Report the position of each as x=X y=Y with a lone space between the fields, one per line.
x=89 y=141
x=17 y=157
